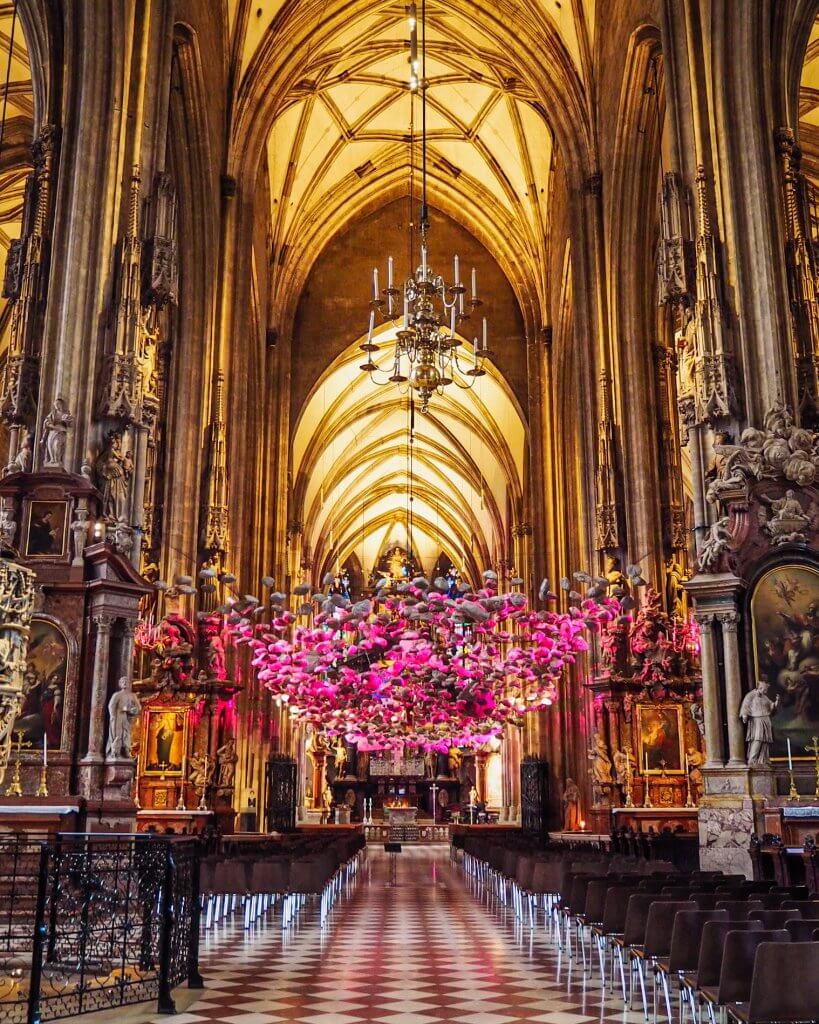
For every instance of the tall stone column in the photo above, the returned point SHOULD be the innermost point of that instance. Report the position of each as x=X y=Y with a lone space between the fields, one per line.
x=91 y=764
x=126 y=656
x=710 y=692
x=733 y=688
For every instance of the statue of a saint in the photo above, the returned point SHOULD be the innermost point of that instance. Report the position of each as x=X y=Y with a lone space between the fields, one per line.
x=21 y=463
x=600 y=767
x=123 y=711
x=227 y=758
x=340 y=759
x=113 y=472
x=397 y=565
x=756 y=711
x=55 y=434
x=571 y=807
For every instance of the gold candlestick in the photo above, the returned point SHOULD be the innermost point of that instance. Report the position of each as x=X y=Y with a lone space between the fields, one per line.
x=793 y=793
x=647 y=794
x=15 y=789
x=629 y=802
x=42 y=789
x=689 y=798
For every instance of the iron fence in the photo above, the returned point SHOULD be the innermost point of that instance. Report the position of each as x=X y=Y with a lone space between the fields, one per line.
x=95 y=922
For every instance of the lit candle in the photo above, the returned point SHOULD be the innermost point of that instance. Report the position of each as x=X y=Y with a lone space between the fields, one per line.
x=372 y=326
x=474 y=283
x=45 y=752
x=485 y=344
x=389 y=271
x=375 y=283
x=457 y=270
x=790 y=759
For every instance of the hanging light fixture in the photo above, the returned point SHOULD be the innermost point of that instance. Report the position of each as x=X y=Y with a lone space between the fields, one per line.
x=426 y=311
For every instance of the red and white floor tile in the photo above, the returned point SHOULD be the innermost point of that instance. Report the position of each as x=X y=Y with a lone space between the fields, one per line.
x=427 y=949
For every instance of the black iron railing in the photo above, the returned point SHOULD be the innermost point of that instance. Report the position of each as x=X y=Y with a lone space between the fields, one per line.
x=92 y=922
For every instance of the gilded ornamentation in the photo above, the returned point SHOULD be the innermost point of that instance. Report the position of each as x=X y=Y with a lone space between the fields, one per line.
x=16 y=608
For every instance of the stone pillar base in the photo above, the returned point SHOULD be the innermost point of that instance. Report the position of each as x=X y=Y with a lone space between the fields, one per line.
x=729 y=814
x=119 y=779
x=91 y=772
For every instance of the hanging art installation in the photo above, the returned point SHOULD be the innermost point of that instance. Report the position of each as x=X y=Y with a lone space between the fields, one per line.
x=413 y=666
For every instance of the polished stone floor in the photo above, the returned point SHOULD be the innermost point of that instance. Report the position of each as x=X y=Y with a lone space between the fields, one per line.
x=426 y=948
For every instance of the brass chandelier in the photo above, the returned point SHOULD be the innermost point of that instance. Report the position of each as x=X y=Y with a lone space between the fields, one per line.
x=426 y=311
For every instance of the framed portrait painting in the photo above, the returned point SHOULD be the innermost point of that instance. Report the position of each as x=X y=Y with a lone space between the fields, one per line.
x=42 y=712
x=660 y=739
x=46 y=534
x=164 y=741
x=785 y=627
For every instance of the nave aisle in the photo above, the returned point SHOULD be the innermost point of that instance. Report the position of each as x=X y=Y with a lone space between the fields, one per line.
x=424 y=951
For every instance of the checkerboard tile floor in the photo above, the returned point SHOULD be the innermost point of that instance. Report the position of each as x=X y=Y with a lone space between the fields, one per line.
x=428 y=949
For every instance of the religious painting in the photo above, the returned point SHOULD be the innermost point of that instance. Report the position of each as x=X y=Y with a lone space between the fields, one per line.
x=41 y=714
x=164 y=740
x=660 y=739
x=785 y=621
x=47 y=529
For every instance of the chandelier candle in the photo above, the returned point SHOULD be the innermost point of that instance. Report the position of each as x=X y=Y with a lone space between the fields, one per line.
x=433 y=309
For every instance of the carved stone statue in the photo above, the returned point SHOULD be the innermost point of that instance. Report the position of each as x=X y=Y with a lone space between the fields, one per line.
x=698 y=716
x=789 y=523
x=625 y=764
x=55 y=434
x=696 y=759
x=8 y=527
x=123 y=711
x=715 y=544
x=201 y=771
x=600 y=768
x=227 y=758
x=571 y=807
x=112 y=474
x=614 y=574
x=22 y=461
x=756 y=711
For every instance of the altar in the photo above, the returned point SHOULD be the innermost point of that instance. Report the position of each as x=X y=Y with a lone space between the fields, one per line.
x=401 y=815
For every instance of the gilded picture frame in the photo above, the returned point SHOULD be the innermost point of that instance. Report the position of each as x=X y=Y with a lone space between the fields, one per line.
x=164 y=741
x=785 y=640
x=660 y=738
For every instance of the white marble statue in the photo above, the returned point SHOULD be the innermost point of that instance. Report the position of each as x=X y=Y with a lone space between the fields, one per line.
x=55 y=434
x=123 y=711
x=756 y=711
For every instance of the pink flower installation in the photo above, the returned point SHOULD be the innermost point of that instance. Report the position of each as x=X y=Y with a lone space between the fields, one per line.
x=415 y=667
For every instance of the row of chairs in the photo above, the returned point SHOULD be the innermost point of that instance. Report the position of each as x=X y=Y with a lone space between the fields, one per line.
x=285 y=870
x=714 y=938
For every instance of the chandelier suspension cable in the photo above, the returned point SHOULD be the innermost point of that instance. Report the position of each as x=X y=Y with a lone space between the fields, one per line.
x=434 y=312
